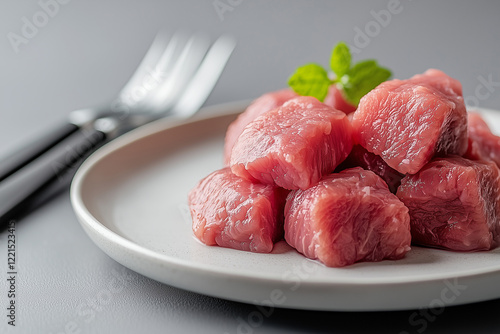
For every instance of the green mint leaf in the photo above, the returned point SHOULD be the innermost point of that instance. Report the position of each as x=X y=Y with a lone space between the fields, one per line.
x=353 y=81
x=362 y=78
x=340 y=61
x=310 y=80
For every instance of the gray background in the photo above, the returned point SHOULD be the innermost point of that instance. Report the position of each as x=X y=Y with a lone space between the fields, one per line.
x=83 y=55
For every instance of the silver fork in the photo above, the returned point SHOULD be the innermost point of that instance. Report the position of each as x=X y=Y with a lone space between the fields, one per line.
x=173 y=80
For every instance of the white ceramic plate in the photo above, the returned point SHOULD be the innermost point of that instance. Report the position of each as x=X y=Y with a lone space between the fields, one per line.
x=130 y=198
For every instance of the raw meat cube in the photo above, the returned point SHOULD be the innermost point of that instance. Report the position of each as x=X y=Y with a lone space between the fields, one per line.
x=274 y=100
x=439 y=80
x=293 y=146
x=335 y=99
x=261 y=105
x=233 y=212
x=454 y=204
x=408 y=122
x=483 y=144
x=347 y=217
x=360 y=157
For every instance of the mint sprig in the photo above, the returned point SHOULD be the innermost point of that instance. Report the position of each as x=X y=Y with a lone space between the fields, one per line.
x=340 y=61
x=310 y=80
x=355 y=81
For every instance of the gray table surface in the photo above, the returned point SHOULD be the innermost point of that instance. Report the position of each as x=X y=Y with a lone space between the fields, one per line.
x=83 y=53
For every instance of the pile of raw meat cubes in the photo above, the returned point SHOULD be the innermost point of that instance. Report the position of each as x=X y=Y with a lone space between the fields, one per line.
x=409 y=166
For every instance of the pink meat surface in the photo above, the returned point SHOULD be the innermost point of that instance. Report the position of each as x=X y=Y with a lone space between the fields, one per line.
x=347 y=217
x=454 y=204
x=233 y=212
x=483 y=144
x=439 y=80
x=335 y=99
x=408 y=122
x=294 y=145
x=261 y=105
x=360 y=157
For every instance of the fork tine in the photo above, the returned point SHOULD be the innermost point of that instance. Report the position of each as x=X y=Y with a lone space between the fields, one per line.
x=205 y=78
x=166 y=60
x=174 y=83
x=154 y=56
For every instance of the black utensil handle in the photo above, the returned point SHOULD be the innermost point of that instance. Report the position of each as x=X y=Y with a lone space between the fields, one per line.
x=56 y=165
x=22 y=157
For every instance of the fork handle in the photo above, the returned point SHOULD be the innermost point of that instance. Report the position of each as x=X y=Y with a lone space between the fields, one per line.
x=57 y=165
x=22 y=157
